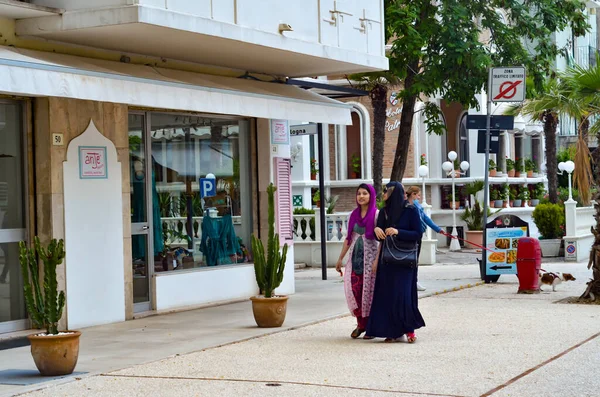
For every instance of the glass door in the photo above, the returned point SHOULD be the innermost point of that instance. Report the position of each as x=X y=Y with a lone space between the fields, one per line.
x=141 y=243
x=13 y=219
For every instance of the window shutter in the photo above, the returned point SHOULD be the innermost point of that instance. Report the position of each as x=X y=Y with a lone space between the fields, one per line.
x=283 y=199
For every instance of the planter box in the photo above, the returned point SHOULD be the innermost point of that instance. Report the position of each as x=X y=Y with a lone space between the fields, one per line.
x=550 y=247
x=475 y=236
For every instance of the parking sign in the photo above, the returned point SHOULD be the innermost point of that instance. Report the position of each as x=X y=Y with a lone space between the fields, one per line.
x=208 y=187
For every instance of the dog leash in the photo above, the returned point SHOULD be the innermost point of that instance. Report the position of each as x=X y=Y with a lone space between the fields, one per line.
x=466 y=241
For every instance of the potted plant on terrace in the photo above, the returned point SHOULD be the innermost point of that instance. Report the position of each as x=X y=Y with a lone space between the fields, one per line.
x=515 y=196
x=523 y=195
x=530 y=166
x=492 y=167
x=54 y=353
x=456 y=168
x=314 y=169
x=473 y=217
x=355 y=163
x=494 y=196
x=538 y=193
x=317 y=198
x=269 y=310
x=452 y=202
x=518 y=167
x=550 y=220
x=510 y=167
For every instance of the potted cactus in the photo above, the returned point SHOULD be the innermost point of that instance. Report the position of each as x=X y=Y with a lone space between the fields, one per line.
x=269 y=309
x=54 y=353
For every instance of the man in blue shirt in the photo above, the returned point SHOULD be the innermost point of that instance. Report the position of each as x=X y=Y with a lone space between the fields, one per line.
x=413 y=195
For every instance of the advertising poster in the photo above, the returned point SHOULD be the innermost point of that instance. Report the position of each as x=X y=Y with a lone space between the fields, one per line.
x=504 y=243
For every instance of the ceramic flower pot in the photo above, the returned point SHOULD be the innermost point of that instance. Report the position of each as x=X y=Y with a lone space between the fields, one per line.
x=55 y=355
x=269 y=312
x=550 y=247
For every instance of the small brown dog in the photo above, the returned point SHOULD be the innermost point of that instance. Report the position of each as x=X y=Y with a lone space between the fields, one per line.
x=554 y=278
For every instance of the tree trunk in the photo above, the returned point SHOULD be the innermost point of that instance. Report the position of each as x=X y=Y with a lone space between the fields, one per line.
x=378 y=100
x=550 y=123
x=406 y=122
x=593 y=286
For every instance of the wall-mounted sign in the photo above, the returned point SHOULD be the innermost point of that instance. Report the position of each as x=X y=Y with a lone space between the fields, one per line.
x=570 y=250
x=208 y=187
x=394 y=98
x=57 y=140
x=280 y=133
x=92 y=162
x=303 y=129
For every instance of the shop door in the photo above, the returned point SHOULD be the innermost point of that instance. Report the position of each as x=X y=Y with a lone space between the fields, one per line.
x=141 y=236
x=13 y=219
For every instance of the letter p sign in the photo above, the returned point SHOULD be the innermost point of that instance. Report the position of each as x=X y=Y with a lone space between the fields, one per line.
x=207 y=187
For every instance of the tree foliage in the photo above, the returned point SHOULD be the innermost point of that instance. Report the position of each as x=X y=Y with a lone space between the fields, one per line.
x=443 y=49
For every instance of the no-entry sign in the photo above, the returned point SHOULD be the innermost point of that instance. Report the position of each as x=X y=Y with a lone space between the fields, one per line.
x=507 y=84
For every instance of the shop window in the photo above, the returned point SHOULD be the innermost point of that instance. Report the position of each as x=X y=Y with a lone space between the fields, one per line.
x=191 y=228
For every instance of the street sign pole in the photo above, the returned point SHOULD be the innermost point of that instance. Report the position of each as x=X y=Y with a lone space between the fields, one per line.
x=486 y=187
x=322 y=203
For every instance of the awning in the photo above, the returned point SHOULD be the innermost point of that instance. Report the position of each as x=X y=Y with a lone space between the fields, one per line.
x=36 y=73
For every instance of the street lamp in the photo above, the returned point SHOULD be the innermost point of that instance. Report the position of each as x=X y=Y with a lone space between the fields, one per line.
x=448 y=167
x=569 y=167
x=423 y=171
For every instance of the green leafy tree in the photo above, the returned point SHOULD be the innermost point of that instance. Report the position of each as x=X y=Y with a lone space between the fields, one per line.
x=378 y=85
x=444 y=48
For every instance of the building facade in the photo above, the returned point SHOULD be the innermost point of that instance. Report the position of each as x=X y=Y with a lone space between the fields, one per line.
x=145 y=133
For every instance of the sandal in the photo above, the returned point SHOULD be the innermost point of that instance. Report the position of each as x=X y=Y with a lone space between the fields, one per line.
x=368 y=337
x=356 y=333
x=411 y=338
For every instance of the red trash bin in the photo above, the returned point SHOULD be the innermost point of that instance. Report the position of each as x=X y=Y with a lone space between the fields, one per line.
x=529 y=262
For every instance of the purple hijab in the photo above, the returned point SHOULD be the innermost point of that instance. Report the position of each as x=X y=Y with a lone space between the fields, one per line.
x=368 y=222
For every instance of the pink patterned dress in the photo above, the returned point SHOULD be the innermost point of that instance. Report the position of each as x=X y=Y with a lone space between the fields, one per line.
x=359 y=279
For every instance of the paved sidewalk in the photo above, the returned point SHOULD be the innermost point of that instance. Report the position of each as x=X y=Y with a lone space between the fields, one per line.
x=476 y=340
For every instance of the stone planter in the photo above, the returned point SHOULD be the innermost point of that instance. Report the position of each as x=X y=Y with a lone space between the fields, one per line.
x=269 y=312
x=550 y=247
x=475 y=236
x=55 y=355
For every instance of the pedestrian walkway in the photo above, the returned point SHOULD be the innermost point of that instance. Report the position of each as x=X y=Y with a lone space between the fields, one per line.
x=476 y=339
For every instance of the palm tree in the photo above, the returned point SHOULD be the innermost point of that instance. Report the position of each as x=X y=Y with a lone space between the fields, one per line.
x=545 y=105
x=377 y=84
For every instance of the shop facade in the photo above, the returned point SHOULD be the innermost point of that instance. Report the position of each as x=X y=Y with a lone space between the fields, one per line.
x=121 y=183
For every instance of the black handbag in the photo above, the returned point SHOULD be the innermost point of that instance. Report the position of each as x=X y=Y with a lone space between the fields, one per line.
x=399 y=253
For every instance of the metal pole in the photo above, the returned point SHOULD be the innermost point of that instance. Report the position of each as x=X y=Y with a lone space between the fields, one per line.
x=322 y=199
x=486 y=187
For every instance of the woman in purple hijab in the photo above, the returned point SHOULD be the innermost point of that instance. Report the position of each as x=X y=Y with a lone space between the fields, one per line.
x=359 y=277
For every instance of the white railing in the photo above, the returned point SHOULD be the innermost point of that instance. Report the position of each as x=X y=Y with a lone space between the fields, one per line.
x=307 y=227
x=578 y=237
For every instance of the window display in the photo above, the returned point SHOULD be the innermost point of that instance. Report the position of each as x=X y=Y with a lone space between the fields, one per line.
x=197 y=191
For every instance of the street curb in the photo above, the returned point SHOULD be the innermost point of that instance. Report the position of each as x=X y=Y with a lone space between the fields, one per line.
x=459 y=288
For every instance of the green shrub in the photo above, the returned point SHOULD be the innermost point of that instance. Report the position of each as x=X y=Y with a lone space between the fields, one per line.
x=550 y=220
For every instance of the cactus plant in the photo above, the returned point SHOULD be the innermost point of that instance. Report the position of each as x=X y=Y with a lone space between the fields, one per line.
x=45 y=309
x=269 y=271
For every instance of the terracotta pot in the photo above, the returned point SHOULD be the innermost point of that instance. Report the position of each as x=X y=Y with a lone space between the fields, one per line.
x=457 y=173
x=511 y=173
x=529 y=174
x=269 y=312
x=475 y=236
x=354 y=175
x=492 y=204
x=517 y=174
x=492 y=172
x=313 y=177
x=56 y=354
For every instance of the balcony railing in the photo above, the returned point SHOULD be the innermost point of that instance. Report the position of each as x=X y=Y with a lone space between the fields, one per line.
x=307 y=227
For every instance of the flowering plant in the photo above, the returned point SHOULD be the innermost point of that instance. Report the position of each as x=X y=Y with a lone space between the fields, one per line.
x=423 y=159
x=314 y=167
x=510 y=164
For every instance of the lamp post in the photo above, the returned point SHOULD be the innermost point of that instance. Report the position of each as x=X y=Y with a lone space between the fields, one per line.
x=448 y=167
x=569 y=167
x=423 y=172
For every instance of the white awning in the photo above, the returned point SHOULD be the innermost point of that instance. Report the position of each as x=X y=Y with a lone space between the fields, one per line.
x=35 y=73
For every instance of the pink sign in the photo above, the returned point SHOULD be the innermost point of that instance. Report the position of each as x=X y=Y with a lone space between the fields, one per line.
x=92 y=162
